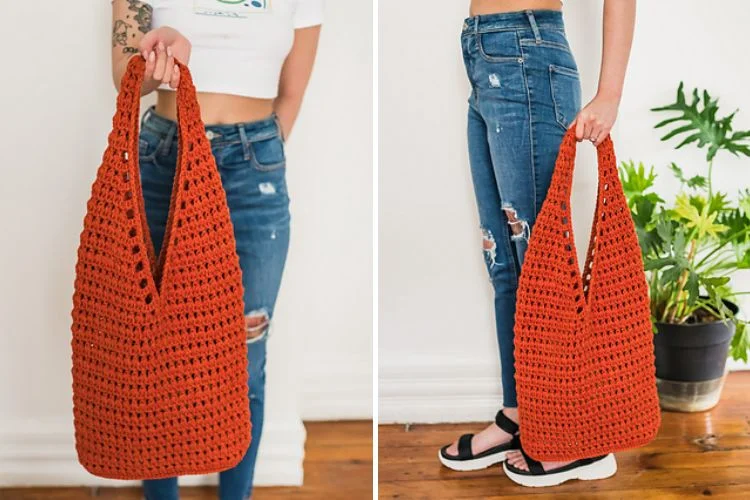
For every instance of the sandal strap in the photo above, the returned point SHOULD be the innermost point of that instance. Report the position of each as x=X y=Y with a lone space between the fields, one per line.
x=515 y=442
x=505 y=423
x=464 y=447
x=535 y=467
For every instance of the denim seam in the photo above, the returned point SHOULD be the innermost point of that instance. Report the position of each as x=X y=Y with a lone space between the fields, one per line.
x=565 y=71
x=546 y=44
x=531 y=129
x=542 y=27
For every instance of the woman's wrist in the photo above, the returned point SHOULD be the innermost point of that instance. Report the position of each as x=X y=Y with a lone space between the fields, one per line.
x=609 y=94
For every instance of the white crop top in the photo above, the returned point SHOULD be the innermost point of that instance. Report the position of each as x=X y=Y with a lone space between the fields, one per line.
x=238 y=46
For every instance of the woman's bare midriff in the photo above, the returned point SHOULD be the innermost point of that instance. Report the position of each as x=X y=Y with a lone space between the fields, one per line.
x=484 y=7
x=218 y=109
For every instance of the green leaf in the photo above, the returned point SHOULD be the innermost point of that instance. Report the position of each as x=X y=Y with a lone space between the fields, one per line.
x=718 y=202
x=670 y=275
x=644 y=211
x=635 y=179
x=744 y=261
x=701 y=220
x=715 y=281
x=651 y=264
x=692 y=287
x=697 y=181
x=740 y=342
x=664 y=229
x=680 y=242
x=697 y=123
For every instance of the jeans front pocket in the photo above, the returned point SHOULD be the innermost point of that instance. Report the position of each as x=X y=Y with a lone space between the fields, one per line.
x=268 y=154
x=499 y=46
x=565 y=86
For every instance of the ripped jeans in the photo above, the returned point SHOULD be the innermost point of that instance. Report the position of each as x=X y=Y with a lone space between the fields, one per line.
x=251 y=162
x=525 y=93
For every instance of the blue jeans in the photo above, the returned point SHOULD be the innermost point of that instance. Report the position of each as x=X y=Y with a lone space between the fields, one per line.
x=251 y=162
x=525 y=93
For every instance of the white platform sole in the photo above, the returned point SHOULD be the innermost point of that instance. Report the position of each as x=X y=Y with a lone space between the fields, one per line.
x=601 y=469
x=475 y=464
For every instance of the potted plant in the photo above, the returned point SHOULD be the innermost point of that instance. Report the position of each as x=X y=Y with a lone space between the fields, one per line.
x=691 y=246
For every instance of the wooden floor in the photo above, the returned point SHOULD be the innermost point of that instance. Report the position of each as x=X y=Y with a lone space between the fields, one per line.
x=338 y=466
x=695 y=455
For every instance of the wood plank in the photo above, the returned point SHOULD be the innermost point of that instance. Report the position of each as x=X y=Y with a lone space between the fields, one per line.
x=338 y=466
x=694 y=455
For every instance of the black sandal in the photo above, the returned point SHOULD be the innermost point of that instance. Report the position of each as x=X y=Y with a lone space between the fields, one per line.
x=466 y=460
x=586 y=469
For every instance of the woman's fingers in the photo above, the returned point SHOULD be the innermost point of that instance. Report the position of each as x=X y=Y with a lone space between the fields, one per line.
x=580 y=124
x=161 y=61
x=175 y=81
x=601 y=134
x=587 y=129
x=149 y=41
x=150 y=65
x=169 y=67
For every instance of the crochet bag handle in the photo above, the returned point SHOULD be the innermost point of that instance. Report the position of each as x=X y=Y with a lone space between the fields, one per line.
x=609 y=194
x=562 y=179
x=125 y=126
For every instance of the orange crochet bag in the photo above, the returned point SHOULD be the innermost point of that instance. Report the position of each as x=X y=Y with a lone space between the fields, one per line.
x=584 y=350
x=159 y=353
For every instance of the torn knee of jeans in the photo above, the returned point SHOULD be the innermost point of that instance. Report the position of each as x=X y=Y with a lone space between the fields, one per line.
x=489 y=245
x=519 y=228
x=256 y=324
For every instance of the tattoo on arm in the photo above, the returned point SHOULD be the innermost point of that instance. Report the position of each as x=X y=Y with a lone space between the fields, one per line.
x=143 y=12
x=123 y=30
x=120 y=33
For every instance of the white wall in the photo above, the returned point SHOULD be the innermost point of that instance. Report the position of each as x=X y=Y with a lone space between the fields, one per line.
x=438 y=356
x=58 y=101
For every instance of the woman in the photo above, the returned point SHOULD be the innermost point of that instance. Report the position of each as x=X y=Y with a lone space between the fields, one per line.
x=250 y=62
x=525 y=94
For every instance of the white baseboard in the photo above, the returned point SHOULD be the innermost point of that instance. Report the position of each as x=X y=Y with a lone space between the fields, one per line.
x=445 y=391
x=339 y=390
x=42 y=453
x=438 y=391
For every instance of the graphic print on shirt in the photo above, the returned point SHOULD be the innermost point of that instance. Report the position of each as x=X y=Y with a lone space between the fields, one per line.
x=238 y=9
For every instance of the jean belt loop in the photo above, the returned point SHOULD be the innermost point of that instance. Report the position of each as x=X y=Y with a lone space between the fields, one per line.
x=147 y=115
x=167 y=142
x=534 y=27
x=476 y=25
x=245 y=142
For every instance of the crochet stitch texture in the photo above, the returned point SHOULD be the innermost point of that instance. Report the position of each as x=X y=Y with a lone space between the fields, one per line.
x=159 y=354
x=584 y=350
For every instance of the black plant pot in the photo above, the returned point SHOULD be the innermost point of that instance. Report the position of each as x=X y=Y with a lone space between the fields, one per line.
x=691 y=363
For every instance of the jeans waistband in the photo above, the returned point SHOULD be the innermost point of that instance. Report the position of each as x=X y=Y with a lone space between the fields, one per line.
x=218 y=134
x=525 y=19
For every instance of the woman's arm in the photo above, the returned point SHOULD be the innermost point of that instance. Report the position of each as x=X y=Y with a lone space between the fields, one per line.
x=132 y=34
x=295 y=74
x=596 y=119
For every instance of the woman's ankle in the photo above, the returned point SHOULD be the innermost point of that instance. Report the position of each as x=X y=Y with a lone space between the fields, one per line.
x=511 y=413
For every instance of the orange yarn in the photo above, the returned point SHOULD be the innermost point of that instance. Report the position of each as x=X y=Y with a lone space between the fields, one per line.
x=159 y=353
x=583 y=344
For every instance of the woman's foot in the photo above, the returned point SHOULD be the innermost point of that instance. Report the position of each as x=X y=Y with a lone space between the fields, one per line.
x=490 y=436
x=490 y=446
x=517 y=460
x=524 y=470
